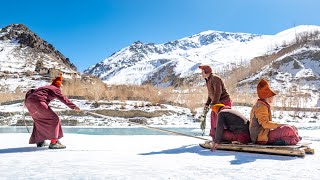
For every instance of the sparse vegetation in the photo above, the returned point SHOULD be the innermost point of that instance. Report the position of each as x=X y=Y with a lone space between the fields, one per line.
x=185 y=96
x=29 y=73
x=5 y=97
x=97 y=90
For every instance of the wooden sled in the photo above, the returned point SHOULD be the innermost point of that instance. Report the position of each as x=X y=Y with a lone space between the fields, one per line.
x=293 y=150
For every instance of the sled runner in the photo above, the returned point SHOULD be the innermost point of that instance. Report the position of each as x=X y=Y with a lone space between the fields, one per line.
x=299 y=150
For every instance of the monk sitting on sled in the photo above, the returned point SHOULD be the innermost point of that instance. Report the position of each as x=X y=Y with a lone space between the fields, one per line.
x=231 y=126
x=46 y=123
x=262 y=129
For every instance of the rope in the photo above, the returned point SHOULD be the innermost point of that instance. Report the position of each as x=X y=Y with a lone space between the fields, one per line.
x=154 y=128
x=145 y=126
x=203 y=120
x=24 y=117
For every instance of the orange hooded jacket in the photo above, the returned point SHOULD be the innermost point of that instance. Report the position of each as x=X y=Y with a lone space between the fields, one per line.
x=261 y=122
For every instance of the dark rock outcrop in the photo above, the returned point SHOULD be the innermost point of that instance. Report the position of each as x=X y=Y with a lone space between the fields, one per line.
x=25 y=37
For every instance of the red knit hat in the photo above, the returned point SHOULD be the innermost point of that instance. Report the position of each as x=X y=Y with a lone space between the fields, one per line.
x=207 y=69
x=264 y=90
x=57 y=81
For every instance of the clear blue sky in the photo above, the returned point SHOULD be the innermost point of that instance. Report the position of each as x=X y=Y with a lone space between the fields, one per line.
x=87 y=32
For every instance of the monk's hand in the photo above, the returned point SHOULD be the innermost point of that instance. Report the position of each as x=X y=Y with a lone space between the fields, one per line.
x=205 y=109
x=279 y=125
x=77 y=109
x=214 y=146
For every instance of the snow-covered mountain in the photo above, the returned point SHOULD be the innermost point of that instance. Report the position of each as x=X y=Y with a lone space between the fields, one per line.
x=23 y=54
x=295 y=75
x=177 y=61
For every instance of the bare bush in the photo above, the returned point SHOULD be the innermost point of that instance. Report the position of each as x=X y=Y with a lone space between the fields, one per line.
x=29 y=73
x=97 y=90
x=92 y=90
x=5 y=97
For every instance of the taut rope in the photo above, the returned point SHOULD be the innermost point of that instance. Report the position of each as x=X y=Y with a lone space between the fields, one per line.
x=145 y=126
x=24 y=117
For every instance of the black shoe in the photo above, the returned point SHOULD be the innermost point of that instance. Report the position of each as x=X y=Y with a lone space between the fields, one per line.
x=57 y=145
x=42 y=144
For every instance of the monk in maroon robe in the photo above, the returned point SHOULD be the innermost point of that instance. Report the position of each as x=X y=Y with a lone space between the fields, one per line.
x=46 y=123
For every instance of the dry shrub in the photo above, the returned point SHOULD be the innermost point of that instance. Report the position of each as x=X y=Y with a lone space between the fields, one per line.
x=149 y=92
x=196 y=99
x=97 y=90
x=246 y=99
x=5 y=97
x=189 y=97
x=91 y=89
x=133 y=92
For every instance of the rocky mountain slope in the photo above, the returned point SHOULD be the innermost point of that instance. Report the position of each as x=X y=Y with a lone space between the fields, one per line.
x=23 y=54
x=294 y=75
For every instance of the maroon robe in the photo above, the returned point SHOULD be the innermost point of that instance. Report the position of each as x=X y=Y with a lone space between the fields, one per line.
x=46 y=123
x=214 y=117
x=289 y=134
